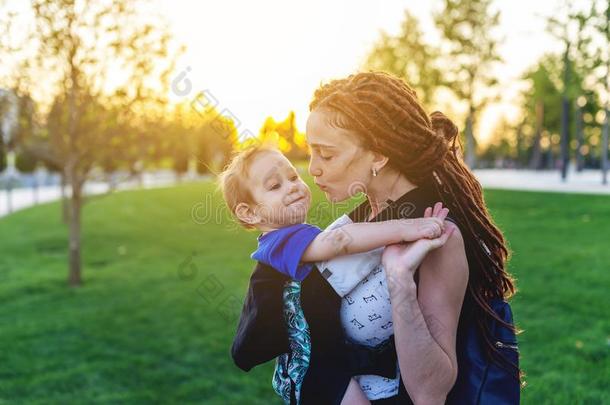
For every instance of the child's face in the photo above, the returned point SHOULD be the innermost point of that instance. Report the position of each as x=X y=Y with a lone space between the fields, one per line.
x=281 y=196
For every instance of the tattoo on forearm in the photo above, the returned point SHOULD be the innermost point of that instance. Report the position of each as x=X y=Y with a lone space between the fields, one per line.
x=435 y=326
x=339 y=239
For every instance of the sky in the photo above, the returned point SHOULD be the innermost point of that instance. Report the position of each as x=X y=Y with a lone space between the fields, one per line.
x=267 y=57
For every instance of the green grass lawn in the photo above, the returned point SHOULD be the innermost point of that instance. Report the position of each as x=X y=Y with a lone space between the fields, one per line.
x=163 y=284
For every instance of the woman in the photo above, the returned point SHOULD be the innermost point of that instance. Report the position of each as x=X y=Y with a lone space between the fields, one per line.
x=452 y=330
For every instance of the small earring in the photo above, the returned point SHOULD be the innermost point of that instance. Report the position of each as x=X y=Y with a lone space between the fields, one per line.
x=374 y=172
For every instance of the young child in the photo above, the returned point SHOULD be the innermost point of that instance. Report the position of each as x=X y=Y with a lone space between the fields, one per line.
x=264 y=192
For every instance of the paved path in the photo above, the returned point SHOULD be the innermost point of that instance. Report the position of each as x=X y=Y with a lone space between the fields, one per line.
x=26 y=197
x=588 y=181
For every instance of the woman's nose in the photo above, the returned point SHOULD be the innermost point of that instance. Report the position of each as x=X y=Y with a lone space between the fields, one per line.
x=313 y=168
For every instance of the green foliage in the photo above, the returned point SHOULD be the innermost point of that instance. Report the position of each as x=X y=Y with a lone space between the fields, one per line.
x=3 y=106
x=408 y=56
x=3 y=162
x=579 y=78
x=285 y=135
x=503 y=149
x=545 y=85
x=181 y=161
x=215 y=137
x=96 y=118
x=26 y=161
x=26 y=128
x=470 y=48
x=571 y=27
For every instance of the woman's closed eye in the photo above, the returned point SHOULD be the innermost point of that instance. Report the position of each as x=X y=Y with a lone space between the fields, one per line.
x=322 y=156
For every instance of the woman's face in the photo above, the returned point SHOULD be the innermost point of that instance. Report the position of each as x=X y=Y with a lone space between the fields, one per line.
x=339 y=165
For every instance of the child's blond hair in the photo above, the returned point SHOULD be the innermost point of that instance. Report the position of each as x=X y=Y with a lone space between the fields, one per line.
x=233 y=181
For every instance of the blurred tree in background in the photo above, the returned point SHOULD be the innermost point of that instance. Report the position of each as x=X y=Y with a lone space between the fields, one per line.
x=562 y=101
x=178 y=132
x=407 y=55
x=503 y=149
x=2 y=152
x=569 y=27
x=286 y=135
x=467 y=51
x=215 y=139
x=26 y=131
x=3 y=148
x=601 y=76
x=470 y=47
x=79 y=44
x=542 y=117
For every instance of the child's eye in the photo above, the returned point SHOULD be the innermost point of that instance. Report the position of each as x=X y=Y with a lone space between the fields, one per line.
x=326 y=157
x=275 y=187
x=294 y=178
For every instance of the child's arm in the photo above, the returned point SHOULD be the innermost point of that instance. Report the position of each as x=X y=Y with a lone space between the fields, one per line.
x=362 y=237
x=354 y=395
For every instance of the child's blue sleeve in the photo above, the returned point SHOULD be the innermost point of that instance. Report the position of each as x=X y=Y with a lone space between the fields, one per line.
x=283 y=248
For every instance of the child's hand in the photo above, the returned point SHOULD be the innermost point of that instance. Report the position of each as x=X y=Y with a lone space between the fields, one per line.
x=404 y=258
x=437 y=212
x=429 y=227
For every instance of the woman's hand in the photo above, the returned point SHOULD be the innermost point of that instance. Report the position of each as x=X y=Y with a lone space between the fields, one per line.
x=401 y=260
x=418 y=228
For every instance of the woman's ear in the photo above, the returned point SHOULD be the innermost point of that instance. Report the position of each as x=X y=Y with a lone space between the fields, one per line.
x=246 y=214
x=379 y=161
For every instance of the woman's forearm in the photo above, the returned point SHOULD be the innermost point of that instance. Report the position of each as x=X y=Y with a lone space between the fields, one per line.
x=426 y=369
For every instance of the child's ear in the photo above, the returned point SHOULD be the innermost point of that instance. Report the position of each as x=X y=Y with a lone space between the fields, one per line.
x=245 y=214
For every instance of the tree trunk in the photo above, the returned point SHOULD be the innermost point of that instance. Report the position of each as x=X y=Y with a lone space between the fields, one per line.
x=565 y=137
x=74 y=228
x=470 y=144
x=580 y=139
x=519 y=147
x=605 y=144
x=65 y=205
x=607 y=109
x=565 y=117
x=606 y=128
x=110 y=179
x=535 y=161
